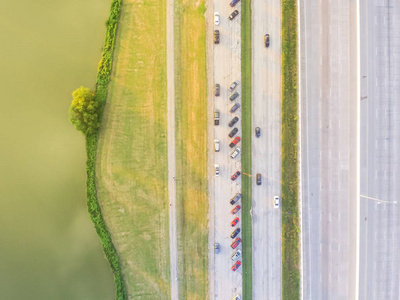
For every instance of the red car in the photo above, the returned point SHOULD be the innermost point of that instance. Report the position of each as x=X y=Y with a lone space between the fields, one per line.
x=236 y=243
x=235 y=210
x=235 y=176
x=234 y=222
x=236 y=265
x=234 y=142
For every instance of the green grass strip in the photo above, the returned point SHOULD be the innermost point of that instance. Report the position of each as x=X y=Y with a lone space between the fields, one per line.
x=103 y=78
x=246 y=150
x=290 y=214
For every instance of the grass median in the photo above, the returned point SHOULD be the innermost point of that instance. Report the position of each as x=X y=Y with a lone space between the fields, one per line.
x=246 y=147
x=191 y=148
x=290 y=214
x=131 y=165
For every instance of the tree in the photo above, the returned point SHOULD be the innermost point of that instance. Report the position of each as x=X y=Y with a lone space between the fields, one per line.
x=84 y=111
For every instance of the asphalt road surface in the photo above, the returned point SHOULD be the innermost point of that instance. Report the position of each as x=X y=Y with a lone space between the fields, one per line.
x=227 y=68
x=379 y=149
x=328 y=95
x=266 y=158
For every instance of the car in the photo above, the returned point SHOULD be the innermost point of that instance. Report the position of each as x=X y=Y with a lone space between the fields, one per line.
x=235 y=176
x=216 y=36
x=235 y=210
x=236 y=198
x=216 y=117
x=235 y=153
x=217 y=89
x=233 y=85
x=266 y=40
x=233 y=121
x=216 y=169
x=234 y=2
x=233 y=14
x=233 y=132
x=234 y=142
x=237 y=297
x=216 y=18
x=234 y=222
x=258 y=132
x=235 y=107
x=234 y=96
x=235 y=233
x=236 y=254
x=236 y=243
x=236 y=265
x=258 y=179
x=216 y=145
x=217 y=248
x=276 y=202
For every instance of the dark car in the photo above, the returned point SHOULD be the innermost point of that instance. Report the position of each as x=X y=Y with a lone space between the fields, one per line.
x=217 y=248
x=258 y=179
x=233 y=132
x=266 y=40
x=216 y=36
x=234 y=222
x=235 y=210
x=235 y=107
x=258 y=131
x=236 y=265
x=234 y=2
x=234 y=96
x=234 y=142
x=233 y=121
x=217 y=89
x=235 y=176
x=236 y=243
x=236 y=198
x=233 y=14
x=235 y=233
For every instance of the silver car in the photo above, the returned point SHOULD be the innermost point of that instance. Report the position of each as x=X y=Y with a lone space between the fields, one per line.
x=236 y=254
x=276 y=202
x=236 y=152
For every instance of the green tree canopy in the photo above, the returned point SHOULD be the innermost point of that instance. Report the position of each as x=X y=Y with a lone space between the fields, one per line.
x=84 y=111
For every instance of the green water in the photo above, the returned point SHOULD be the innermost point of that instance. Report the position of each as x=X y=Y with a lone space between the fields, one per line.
x=48 y=246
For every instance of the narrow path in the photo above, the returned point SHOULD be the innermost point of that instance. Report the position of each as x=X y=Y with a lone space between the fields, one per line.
x=173 y=242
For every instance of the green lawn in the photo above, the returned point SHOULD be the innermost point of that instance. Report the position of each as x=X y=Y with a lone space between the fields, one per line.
x=191 y=148
x=131 y=166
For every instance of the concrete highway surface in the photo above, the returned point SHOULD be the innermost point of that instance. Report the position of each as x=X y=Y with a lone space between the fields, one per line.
x=328 y=95
x=227 y=68
x=266 y=158
x=379 y=149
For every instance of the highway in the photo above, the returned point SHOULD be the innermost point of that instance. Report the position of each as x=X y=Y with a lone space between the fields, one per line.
x=266 y=158
x=328 y=148
x=380 y=155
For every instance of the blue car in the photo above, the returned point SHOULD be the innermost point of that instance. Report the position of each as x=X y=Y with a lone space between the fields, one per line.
x=234 y=2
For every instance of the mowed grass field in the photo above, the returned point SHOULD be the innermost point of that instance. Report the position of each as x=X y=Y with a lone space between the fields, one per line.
x=191 y=147
x=131 y=167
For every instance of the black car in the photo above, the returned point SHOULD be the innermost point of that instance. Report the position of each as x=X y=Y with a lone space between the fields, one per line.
x=233 y=121
x=236 y=198
x=233 y=14
x=234 y=96
x=235 y=233
x=266 y=40
x=216 y=36
x=217 y=89
x=258 y=179
x=233 y=132
x=258 y=131
x=235 y=107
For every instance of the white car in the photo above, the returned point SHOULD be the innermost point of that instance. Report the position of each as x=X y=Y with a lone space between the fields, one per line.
x=276 y=202
x=216 y=145
x=236 y=255
x=235 y=153
x=216 y=18
x=216 y=169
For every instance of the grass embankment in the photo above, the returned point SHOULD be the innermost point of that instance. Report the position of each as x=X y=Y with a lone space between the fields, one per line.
x=131 y=167
x=290 y=214
x=95 y=212
x=246 y=149
x=191 y=148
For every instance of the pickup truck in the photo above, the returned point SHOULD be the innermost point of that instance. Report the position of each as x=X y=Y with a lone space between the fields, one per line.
x=216 y=117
